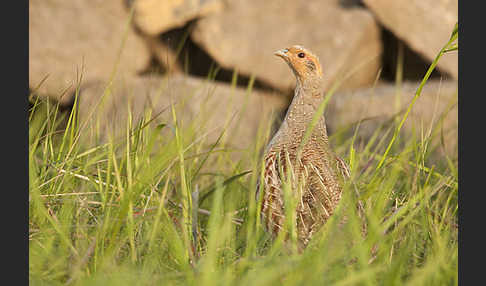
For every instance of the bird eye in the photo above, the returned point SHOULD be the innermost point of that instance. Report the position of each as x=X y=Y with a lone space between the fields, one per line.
x=301 y=55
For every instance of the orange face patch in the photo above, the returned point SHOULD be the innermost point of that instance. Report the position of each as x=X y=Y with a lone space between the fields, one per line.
x=302 y=61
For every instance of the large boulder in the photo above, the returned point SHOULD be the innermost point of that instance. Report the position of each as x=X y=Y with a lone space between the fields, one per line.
x=437 y=106
x=70 y=37
x=211 y=105
x=425 y=25
x=155 y=16
x=246 y=33
x=164 y=53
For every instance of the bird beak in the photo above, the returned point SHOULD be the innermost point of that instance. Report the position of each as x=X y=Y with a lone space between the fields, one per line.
x=281 y=53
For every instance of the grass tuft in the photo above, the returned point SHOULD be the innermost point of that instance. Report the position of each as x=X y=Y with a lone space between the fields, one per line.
x=162 y=205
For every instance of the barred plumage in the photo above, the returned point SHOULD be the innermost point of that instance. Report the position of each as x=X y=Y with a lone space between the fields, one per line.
x=317 y=173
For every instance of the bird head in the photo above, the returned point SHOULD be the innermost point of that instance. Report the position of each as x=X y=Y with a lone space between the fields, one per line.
x=303 y=63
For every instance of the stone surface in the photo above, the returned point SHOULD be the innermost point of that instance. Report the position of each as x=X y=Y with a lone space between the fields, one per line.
x=65 y=34
x=209 y=103
x=164 y=53
x=157 y=16
x=376 y=106
x=425 y=25
x=246 y=33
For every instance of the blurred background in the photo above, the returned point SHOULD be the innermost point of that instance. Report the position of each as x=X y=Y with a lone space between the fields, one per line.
x=374 y=52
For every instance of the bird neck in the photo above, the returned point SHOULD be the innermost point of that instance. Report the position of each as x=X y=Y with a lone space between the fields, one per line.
x=310 y=84
x=308 y=96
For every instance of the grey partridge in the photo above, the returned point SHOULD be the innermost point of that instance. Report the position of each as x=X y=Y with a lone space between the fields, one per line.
x=317 y=172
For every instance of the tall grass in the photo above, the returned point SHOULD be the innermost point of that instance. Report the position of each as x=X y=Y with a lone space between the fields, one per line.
x=142 y=210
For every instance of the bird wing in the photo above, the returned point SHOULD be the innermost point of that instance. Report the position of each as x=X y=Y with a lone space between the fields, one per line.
x=343 y=167
x=272 y=203
x=271 y=176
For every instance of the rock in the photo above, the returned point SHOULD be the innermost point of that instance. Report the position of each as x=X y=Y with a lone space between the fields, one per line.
x=209 y=103
x=155 y=16
x=425 y=25
x=376 y=106
x=64 y=35
x=245 y=35
x=164 y=53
